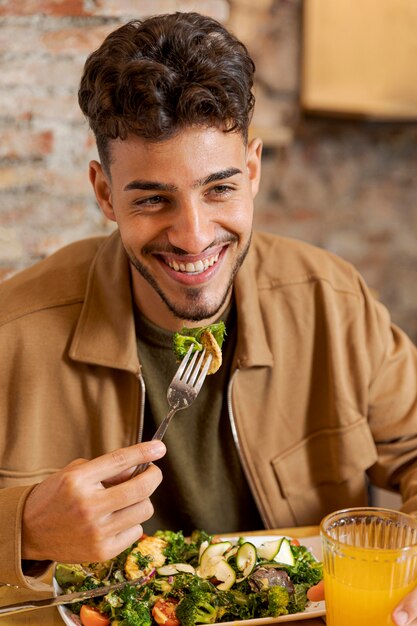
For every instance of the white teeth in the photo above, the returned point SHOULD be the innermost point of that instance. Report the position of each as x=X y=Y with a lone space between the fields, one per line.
x=194 y=268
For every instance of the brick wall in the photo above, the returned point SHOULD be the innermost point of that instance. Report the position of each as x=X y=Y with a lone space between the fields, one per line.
x=348 y=186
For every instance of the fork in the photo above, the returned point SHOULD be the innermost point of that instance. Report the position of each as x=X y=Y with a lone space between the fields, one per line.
x=182 y=391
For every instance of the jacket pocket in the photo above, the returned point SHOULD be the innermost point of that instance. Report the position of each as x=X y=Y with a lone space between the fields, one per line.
x=326 y=471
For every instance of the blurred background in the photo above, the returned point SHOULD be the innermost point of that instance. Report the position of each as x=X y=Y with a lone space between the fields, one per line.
x=336 y=107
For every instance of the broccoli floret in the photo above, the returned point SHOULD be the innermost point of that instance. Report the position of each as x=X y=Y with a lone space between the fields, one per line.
x=135 y=614
x=127 y=609
x=197 y=608
x=161 y=586
x=269 y=602
x=278 y=600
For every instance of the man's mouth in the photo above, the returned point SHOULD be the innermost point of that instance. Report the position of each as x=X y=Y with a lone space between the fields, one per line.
x=197 y=267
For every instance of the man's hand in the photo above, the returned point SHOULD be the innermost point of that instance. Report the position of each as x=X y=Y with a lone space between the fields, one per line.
x=405 y=614
x=91 y=510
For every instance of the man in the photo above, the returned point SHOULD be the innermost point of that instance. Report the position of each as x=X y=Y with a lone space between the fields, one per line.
x=317 y=391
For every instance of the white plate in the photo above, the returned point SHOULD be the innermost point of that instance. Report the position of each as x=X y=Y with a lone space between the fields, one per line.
x=313 y=609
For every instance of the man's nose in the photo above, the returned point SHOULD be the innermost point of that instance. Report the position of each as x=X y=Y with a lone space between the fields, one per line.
x=192 y=228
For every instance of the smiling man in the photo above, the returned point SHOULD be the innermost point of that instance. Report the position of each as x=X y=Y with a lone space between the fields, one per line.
x=317 y=394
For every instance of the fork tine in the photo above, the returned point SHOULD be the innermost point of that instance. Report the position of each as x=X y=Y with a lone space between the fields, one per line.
x=189 y=369
x=201 y=378
x=196 y=371
x=184 y=364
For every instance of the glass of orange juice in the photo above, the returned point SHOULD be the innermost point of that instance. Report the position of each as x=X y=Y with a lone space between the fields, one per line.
x=369 y=564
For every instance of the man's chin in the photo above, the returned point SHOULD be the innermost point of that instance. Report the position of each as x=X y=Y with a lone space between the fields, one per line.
x=194 y=312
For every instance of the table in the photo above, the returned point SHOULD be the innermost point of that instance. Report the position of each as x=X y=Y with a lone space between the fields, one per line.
x=51 y=617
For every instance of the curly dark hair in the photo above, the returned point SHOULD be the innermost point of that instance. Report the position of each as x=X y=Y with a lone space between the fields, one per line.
x=153 y=77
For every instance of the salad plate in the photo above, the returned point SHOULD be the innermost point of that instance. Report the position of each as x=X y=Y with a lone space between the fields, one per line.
x=312 y=610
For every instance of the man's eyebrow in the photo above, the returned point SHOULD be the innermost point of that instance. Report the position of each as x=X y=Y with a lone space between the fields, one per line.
x=149 y=185
x=221 y=175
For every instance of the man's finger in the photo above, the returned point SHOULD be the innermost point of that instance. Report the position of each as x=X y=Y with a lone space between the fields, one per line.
x=124 y=519
x=406 y=611
x=113 y=463
x=130 y=492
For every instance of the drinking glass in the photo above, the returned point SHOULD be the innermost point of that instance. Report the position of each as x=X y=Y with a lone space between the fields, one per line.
x=369 y=564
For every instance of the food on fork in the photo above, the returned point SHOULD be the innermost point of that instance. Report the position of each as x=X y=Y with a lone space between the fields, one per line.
x=209 y=337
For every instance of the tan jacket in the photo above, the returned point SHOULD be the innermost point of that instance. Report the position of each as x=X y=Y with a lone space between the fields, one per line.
x=324 y=390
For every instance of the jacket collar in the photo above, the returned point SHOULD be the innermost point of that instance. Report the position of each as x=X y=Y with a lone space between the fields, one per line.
x=252 y=345
x=105 y=332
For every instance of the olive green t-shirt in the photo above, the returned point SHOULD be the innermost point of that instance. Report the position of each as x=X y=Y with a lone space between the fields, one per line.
x=203 y=482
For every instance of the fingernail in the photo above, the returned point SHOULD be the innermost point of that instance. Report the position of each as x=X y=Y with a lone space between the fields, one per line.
x=401 y=618
x=157 y=447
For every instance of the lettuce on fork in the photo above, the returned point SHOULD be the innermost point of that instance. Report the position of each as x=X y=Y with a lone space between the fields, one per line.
x=209 y=337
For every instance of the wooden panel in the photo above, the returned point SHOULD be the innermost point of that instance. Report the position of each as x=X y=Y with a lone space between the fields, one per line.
x=360 y=57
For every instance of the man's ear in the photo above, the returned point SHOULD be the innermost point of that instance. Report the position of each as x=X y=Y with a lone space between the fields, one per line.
x=102 y=189
x=253 y=163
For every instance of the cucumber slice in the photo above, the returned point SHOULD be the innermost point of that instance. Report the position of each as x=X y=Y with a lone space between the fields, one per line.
x=204 y=544
x=270 y=549
x=246 y=558
x=215 y=549
x=285 y=555
x=210 y=558
x=185 y=567
x=208 y=568
x=232 y=552
x=226 y=574
x=175 y=568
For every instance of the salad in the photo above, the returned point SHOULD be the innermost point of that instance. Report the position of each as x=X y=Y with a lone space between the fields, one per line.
x=202 y=579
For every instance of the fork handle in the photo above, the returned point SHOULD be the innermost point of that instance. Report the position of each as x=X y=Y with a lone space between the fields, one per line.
x=159 y=434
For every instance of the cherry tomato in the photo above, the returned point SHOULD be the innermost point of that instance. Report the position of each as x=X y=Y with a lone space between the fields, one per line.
x=92 y=617
x=316 y=593
x=163 y=612
x=294 y=542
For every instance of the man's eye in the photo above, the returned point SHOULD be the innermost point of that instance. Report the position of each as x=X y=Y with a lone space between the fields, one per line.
x=222 y=190
x=152 y=200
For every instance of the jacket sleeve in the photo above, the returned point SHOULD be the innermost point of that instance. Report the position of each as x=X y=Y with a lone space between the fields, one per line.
x=392 y=403
x=12 y=500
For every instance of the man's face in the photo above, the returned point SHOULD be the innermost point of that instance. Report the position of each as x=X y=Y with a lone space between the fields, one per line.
x=184 y=208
